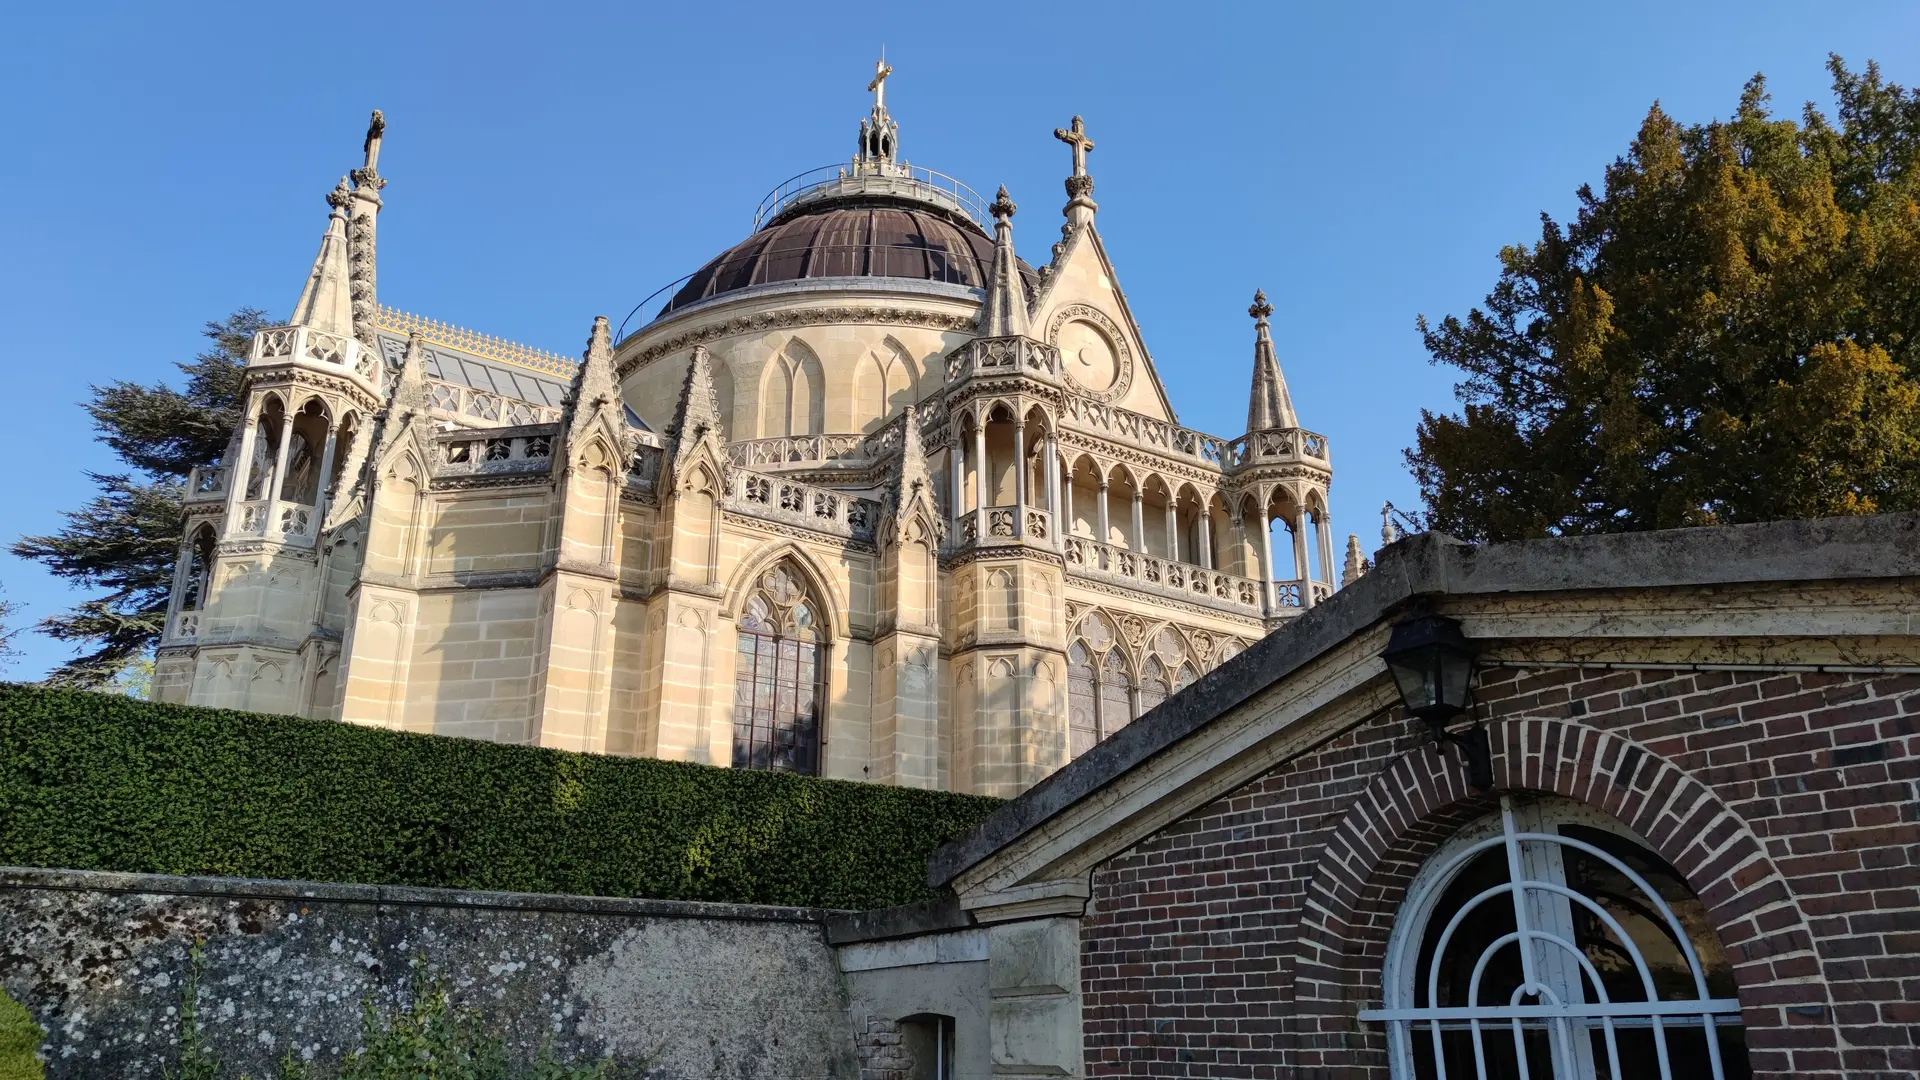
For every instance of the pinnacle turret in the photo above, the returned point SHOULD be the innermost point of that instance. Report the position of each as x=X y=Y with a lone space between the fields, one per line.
x=1269 y=406
x=326 y=301
x=594 y=385
x=696 y=421
x=1005 y=312
x=410 y=384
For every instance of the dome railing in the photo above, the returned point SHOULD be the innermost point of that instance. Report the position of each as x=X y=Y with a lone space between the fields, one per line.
x=920 y=262
x=910 y=181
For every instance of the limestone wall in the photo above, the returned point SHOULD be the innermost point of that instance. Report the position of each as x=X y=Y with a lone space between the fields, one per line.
x=703 y=990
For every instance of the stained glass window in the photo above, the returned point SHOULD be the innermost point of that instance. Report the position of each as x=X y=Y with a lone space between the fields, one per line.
x=777 y=680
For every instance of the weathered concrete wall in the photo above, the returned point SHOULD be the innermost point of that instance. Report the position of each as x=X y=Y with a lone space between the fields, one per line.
x=701 y=990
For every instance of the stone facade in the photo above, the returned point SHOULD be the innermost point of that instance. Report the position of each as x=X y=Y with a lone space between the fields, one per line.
x=940 y=498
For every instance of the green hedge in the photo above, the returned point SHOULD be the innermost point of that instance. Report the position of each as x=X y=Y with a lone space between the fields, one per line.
x=100 y=782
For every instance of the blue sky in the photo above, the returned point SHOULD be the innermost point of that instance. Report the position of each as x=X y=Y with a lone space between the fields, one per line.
x=549 y=163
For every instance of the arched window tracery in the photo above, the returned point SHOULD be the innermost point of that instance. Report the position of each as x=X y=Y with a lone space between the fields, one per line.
x=1100 y=690
x=1548 y=941
x=778 y=677
x=193 y=594
x=1083 y=720
x=1154 y=687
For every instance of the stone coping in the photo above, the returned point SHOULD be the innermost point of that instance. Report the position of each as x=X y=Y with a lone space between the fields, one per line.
x=1436 y=565
x=910 y=920
x=27 y=877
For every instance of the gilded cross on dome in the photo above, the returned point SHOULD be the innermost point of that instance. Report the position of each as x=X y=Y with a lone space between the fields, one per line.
x=1076 y=137
x=879 y=84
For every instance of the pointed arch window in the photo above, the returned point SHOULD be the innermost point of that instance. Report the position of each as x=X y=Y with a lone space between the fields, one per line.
x=1083 y=718
x=1547 y=941
x=1153 y=686
x=778 y=676
x=1100 y=691
x=193 y=595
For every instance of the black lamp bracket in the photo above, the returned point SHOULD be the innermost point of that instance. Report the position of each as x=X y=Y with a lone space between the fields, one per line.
x=1476 y=752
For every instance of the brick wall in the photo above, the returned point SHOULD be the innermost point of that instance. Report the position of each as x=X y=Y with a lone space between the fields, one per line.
x=1241 y=941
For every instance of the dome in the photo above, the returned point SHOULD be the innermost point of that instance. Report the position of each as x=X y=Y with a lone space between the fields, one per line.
x=860 y=237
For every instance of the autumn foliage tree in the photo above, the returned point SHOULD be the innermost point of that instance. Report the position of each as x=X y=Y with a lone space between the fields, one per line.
x=1729 y=333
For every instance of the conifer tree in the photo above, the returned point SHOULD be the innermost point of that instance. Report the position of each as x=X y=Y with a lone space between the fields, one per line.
x=1729 y=332
x=126 y=538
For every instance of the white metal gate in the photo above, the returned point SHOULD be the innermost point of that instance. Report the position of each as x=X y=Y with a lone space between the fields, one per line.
x=1560 y=994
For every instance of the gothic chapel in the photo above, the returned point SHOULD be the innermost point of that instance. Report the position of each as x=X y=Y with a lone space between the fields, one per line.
x=866 y=496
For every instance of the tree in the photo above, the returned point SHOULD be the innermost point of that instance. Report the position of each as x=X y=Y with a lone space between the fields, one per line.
x=126 y=539
x=9 y=652
x=1731 y=332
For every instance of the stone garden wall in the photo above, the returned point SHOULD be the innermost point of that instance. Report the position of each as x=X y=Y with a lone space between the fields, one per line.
x=694 y=990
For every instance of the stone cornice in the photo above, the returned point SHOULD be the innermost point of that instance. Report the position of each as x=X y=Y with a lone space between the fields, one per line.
x=780 y=319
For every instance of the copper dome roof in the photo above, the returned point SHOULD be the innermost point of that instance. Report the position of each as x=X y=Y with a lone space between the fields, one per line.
x=861 y=238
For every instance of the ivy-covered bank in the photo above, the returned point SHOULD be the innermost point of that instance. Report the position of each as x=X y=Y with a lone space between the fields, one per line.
x=102 y=782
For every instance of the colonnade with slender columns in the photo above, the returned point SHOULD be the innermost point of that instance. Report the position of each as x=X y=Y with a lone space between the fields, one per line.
x=972 y=489
x=274 y=494
x=968 y=457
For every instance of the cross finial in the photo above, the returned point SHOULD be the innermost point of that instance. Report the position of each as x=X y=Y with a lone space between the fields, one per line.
x=376 y=128
x=1076 y=137
x=879 y=84
x=1260 y=309
x=366 y=178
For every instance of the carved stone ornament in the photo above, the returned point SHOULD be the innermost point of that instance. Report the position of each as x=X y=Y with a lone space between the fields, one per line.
x=1093 y=352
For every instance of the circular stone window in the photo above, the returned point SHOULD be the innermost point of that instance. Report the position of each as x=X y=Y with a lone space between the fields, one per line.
x=1093 y=353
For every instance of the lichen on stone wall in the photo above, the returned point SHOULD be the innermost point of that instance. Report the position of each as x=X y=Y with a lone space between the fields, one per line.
x=102 y=970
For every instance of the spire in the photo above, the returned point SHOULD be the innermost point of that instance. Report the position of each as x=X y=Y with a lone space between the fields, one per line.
x=1080 y=204
x=1270 y=406
x=915 y=483
x=1357 y=564
x=697 y=419
x=594 y=385
x=1005 y=312
x=879 y=135
x=326 y=303
x=409 y=395
x=364 y=208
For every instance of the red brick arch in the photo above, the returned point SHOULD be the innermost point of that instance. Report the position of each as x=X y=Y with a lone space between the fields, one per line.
x=1421 y=799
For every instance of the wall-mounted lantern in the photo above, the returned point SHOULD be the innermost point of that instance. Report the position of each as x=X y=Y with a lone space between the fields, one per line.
x=1432 y=665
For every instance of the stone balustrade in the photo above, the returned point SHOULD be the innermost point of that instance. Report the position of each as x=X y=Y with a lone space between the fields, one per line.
x=987 y=357
x=1278 y=446
x=472 y=406
x=207 y=483
x=788 y=502
x=1110 y=421
x=798 y=450
x=500 y=452
x=643 y=471
x=291 y=523
x=1091 y=558
x=1000 y=524
x=303 y=344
